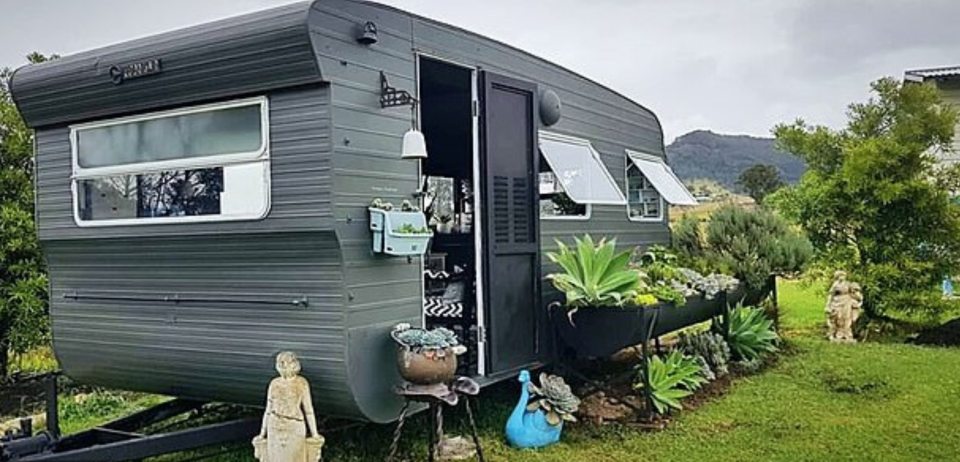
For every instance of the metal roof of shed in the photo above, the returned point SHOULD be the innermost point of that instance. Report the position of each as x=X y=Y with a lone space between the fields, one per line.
x=919 y=75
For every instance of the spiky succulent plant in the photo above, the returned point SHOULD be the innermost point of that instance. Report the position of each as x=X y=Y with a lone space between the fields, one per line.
x=555 y=398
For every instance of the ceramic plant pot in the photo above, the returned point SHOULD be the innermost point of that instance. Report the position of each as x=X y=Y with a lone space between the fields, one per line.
x=426 y=367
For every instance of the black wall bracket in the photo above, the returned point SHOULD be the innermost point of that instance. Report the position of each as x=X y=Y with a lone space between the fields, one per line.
x=392 y=97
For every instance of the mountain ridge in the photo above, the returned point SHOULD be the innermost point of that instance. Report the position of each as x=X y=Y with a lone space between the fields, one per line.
x=722 y=157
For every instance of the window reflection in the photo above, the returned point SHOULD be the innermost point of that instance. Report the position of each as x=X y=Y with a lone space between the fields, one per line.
x=175 y=193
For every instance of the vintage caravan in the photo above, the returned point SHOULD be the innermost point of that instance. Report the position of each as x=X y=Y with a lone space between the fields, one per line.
x=202 y=199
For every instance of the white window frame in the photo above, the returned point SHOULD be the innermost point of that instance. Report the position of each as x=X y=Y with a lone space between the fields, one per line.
x=261 y=154
x=561 y=138
x=626 y=182
x=586 y=215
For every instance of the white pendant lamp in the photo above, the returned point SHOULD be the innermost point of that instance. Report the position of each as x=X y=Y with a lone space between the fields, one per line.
x=414 y=145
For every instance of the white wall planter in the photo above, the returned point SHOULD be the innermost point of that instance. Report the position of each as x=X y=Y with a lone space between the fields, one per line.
x=387 y=240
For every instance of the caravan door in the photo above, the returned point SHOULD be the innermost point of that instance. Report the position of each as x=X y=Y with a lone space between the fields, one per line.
x=509 y=172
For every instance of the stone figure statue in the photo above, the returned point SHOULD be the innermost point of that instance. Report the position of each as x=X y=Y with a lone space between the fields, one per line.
x=843 y=308
x=288 y=418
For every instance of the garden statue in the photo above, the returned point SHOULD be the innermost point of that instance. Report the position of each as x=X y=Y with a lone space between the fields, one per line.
x=537 y=423
x=288 y=417
x=843 y=308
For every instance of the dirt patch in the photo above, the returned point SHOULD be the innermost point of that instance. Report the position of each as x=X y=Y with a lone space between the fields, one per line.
x=601 y=407
x=709 y=392
x=947 y=334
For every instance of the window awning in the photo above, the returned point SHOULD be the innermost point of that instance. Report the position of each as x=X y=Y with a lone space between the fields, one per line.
x=662 y=178
x=579 y=171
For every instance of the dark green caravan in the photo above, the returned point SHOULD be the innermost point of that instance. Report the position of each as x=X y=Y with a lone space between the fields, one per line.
x=202 y=199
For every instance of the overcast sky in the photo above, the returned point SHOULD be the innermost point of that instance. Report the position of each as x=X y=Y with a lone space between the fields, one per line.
x=730 y=66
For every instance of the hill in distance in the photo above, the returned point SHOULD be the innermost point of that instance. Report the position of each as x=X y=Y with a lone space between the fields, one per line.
x=704 y=154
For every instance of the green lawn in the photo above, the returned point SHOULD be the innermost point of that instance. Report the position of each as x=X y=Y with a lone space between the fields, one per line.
x=819 y=402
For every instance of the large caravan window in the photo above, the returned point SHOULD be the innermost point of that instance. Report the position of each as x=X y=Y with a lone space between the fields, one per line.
x=204 y=163
x=574 y=168
x=650 y=183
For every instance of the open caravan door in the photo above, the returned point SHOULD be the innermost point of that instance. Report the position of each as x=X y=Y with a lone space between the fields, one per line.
x=511 y=228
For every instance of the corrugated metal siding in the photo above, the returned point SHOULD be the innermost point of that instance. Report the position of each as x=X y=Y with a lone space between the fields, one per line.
x=301 y=176
x=366 y=145
x=236 y=56
x=218 y=350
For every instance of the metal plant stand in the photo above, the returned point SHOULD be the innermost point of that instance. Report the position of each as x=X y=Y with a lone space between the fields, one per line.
x=436 y=396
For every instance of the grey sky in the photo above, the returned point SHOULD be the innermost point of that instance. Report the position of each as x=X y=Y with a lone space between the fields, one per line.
x=732 y=66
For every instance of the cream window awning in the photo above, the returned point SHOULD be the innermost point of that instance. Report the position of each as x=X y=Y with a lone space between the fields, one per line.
x=662 y=177
x=577 y=168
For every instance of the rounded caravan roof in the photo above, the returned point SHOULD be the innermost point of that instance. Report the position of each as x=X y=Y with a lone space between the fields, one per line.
x=271 y=50
x=244 y=54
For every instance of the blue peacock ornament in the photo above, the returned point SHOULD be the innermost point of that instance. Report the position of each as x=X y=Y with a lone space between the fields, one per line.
x=538 y=422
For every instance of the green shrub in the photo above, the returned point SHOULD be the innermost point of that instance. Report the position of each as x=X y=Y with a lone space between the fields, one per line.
x=751 y=334
x=686 y=236
x=671 y=379
x=594 y=274
x=755 y=243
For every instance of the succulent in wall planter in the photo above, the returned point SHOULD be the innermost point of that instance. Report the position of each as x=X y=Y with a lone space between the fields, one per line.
x=380 y=204
x=426 y=356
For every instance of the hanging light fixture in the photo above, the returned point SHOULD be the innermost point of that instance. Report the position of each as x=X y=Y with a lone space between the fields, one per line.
x=414 y=143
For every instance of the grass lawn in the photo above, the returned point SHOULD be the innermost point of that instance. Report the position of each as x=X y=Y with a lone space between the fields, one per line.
x=874 y=401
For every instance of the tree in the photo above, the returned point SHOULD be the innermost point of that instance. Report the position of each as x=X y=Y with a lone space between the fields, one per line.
x=23 y=280
x=760 y=180
x=873 y=201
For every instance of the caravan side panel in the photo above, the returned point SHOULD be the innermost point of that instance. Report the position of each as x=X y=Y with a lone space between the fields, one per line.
x=116 y=316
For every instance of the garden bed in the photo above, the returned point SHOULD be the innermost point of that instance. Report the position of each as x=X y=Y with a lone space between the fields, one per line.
x=600 y=331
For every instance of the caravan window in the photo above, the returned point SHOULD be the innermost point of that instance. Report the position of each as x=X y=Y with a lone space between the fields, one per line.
x=573 y=177
x=554 y=201
x=206 y=163
x=643 y=200
x=651 y=184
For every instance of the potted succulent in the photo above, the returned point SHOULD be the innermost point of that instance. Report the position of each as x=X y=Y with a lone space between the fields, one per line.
x=426 y=356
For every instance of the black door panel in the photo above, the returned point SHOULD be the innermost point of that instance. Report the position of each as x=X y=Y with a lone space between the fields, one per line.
x=510 y=213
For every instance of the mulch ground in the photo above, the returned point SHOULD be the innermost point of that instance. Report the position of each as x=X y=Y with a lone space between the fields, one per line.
x=602 y=407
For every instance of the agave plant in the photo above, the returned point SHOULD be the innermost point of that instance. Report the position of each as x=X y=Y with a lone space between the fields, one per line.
x=594 y=274
x=751 y=333
x=671 y=379
x=555 y=398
